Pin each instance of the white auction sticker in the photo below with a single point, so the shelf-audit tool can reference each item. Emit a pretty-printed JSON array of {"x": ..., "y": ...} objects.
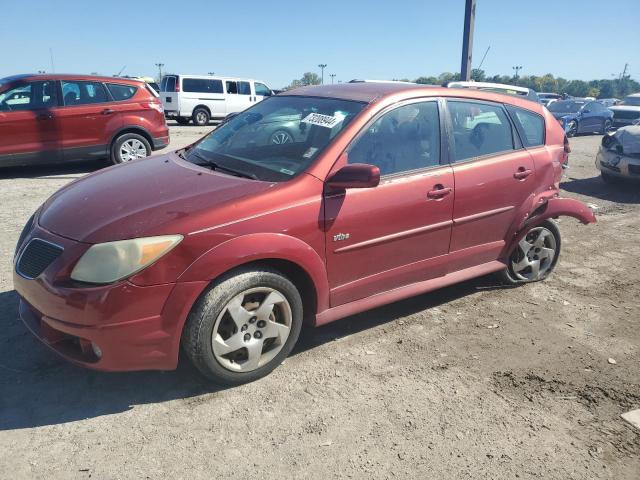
[{"x": 321, "y": 120}]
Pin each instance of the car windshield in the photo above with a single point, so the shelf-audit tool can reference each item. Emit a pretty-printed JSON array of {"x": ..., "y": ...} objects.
[
  {"x": 635, "y": 101},
  {"x": 276, "y": 139},
  {"x": 567, "y": 106}
]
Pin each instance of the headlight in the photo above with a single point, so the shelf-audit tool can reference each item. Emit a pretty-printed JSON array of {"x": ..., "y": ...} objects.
[{"x": 113, "y": 261}]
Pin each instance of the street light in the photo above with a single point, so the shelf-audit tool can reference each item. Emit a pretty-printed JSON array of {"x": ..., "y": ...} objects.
[
  {"x": 517, "y": 68},
  {"x": 333, "y": 75},
  {"x": 322, "y": 67},
  {"x": 159, "y": 65}
]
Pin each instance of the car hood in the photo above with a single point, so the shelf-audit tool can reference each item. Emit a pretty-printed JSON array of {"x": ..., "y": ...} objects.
[
  {"x": 147, "y": 197},
  {"x": 628, "y": 108}
]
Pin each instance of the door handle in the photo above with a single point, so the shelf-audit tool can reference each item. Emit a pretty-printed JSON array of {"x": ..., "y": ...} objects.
[
  {"x": 108, "y": 111},
  {"x": 439, "y": 191},
  {"x": 44, "y": 116},
  {"x": 522, "y": 173}
]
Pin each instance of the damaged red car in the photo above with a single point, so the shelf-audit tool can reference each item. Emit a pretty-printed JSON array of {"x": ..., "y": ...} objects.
[{"x": 310, "y": 206}]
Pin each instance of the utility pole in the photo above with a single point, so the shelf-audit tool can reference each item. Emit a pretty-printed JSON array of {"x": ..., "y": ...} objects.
[
  {"x": 467, "y": 39},
  {"x": 159, "y": 65},
  {"x": 53, "y": 67},
  {"x": 333, "y": 75},
  {"x": 322, "y": 67},
  {"x": 517, "y": 68}
]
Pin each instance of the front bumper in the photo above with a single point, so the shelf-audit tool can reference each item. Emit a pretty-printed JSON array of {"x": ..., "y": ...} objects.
[
  {"x": 134, "y": 327},
  {"x": 618, "y": 165}
]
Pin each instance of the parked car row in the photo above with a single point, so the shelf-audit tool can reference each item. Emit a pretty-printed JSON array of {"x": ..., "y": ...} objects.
[{"x": 62, "y": 118}]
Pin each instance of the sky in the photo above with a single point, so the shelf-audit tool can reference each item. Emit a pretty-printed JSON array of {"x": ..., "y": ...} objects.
[{"x": 277, "y": 41}]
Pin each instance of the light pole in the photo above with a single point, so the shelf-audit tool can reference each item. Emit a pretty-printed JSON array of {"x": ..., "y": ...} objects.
[
  {"x": 333, "y": 75},
  {"x": 517, "y": 68},
  {"x": 467, "y": 39},
  {"x": 159, "y": 65},
  {"x": 322, "y": 67}
]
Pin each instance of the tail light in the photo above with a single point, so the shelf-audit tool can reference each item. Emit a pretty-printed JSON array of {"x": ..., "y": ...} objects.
[
  {"x": 567, "y": 147},
  {"x": 177, "y": 84},
  {"x": 153, "y": 106},
  {"x": 565, "y": 156}
]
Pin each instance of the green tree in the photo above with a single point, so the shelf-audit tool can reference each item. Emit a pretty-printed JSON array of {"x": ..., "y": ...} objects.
[
  {"x": 578, "y": 88},
  {"x": 308, "y": 78},
  {"x": 426, "y": 80},
  {"x": 478, "y": 75}
]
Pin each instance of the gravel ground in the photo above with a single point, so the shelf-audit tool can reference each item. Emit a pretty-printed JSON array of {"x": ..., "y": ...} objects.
[{"x": 473, "y": 381}]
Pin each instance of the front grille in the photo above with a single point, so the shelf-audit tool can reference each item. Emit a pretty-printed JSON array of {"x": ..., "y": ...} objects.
[
  {"x": 36, "y": 257},
  {"x": 626, "y": 114},
  {"x": 634, "y": 169}
]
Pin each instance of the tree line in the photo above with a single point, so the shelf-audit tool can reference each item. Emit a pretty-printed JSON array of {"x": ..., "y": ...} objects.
[{"x": 614, "y": 88}]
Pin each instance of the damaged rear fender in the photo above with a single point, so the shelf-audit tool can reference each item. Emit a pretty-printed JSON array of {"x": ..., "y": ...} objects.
[{"x": 551, "y": 208}]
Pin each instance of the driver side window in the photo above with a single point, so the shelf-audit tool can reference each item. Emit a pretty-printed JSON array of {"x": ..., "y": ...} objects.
[{"x": 404, "y": 139}]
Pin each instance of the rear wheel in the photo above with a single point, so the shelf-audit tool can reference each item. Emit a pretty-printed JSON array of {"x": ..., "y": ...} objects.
[
  {"x": 535, "y": 256},
  {"x": 201, "y": 117},
  {"x": 128, "y": 147},
  {"x": 244, "y": 326}
]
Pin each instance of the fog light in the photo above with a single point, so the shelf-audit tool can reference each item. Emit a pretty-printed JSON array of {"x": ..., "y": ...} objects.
[{"x": 96, "y": 350}]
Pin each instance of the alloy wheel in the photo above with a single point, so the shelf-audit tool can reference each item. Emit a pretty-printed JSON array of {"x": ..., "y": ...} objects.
[
  {"x": 533, "y": 258},
  {"x": 281, "y": 137},
  {"x": 572, "y": 129},
  {"x": 132, "y": 149},
  {"x": 251, "y": 329},
  {"x": 201, "y": 118}
]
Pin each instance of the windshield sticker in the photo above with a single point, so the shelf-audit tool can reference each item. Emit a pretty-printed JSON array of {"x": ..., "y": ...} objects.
[
  {"x": 286, "y": 172},
  {"x": 321, "y": 120},
  {"x": 310, "y": 152}
]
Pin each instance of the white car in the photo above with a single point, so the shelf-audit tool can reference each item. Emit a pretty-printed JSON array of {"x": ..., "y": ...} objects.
[
  {"x": 626, "y": 112},
  {"x": 201, "y": 98}
]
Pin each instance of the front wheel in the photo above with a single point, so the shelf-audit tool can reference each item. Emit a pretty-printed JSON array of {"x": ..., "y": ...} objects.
[
  {"x": 606, "y": 126},
  {"x": 128, "y": 147},
  {"x": 572, "y": 128},
  {"x": 244, "y": 326},
  {"x": 535, "y": 256}
]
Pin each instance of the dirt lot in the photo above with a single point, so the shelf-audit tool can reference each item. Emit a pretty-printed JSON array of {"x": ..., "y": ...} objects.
[{"x": 418, "y": 389}]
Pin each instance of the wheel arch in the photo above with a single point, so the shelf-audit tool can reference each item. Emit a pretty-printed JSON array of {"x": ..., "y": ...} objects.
[
  {"x": 131, "y": 129},
  {"x": 204, "y": 107},
  {"x": 294, "y": 258}
]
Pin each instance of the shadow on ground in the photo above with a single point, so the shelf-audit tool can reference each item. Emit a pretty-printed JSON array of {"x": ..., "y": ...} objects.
[
  {"x": 38, "y": 388},
  {"x": 58, "y": 171},
  {"x": 623, "y": 191}
]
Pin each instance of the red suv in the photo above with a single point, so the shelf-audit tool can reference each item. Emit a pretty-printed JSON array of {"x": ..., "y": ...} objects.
[
  {"x": 381, "y": 192},
  {"x": 60, "y": 118}
]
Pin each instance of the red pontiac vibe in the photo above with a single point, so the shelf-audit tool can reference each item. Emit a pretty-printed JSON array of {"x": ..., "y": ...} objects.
[{"x": 310, "y": 206}]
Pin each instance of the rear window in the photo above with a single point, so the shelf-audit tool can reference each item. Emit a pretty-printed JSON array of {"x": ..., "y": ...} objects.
[
  {"x": 529, "y": 124},
  {"x": 121, "y": 92},
  {"x": 201, "y": 85},
  {"x": 244, "y": 88},
  {"x": 168, "y": 84}
]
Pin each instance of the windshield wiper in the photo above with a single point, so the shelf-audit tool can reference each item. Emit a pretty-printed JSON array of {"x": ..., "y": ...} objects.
[{"x": 214, "y": 166}]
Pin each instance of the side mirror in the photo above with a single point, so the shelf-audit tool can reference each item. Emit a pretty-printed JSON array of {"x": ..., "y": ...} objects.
[{"x": 356, "y": 175}]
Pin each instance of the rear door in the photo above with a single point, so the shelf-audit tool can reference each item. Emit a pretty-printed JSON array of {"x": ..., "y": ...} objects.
[
  {"x": 88, "y": 119},
  {"x": 29, "y": 128},
  {"x": 169, "y": 95},
  {"x": 494, "y": 175},
  {"x": 397, "y": 233}
]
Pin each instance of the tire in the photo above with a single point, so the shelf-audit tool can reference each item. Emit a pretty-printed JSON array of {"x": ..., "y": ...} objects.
[
  {"x": 521, "y": 263},
  {"x": 232, "y": 350},
  {"x": 201, "y": 117},
  {"x": 183, "y": 121},
  {"x": 606, "y": 125},
  {"x": 128, "y": 147},
  {"x": 573, "y": 128}
]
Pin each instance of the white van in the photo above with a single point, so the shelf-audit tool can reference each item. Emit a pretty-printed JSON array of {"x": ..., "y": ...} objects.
[{"x": 202, "y": 98}]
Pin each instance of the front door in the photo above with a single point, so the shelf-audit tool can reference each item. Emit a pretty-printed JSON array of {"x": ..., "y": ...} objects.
[
  {"x": 397, "y": 233},
  {"x": 29, "y": 130},
  {"x": 493, "y": 177}
]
